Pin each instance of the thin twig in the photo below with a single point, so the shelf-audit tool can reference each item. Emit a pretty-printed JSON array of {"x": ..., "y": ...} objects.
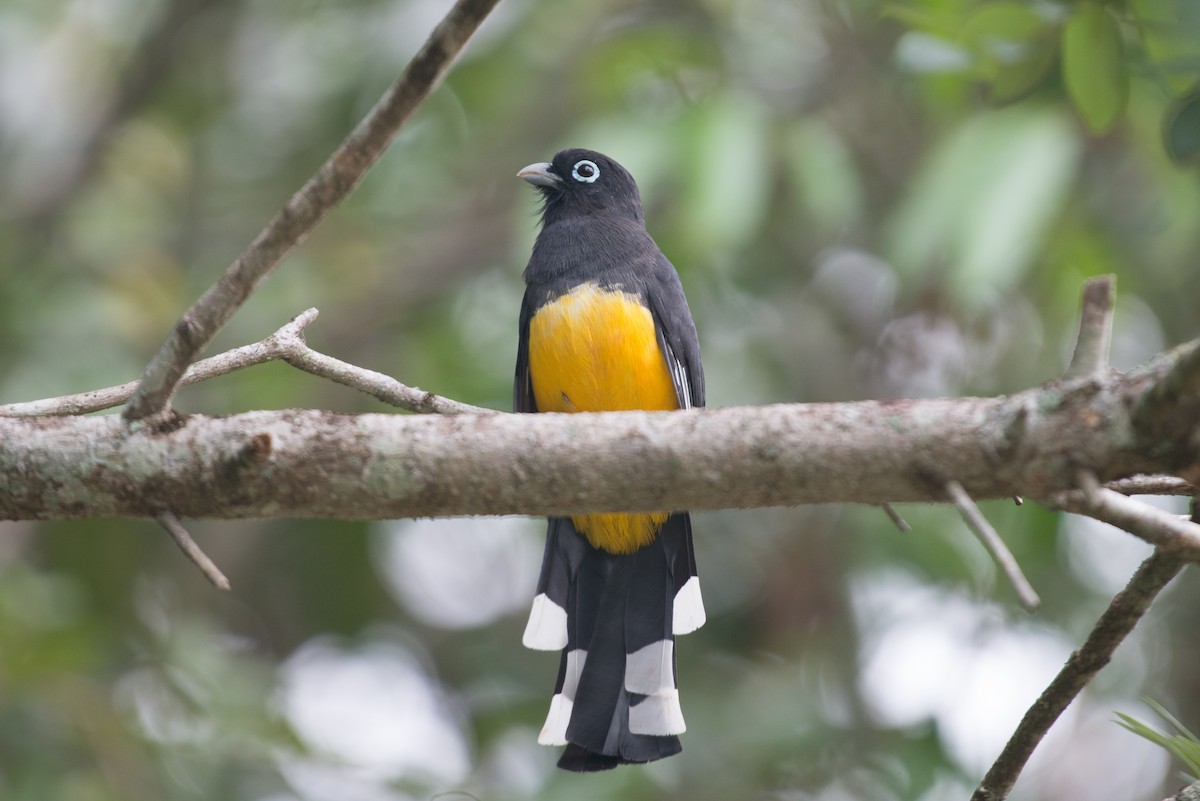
[
  {"x": 991, "y": 540},
  {"x": 1123, "y": 613},
  {"x": 1095, "y": 328},
  {"x": 269, "y": 349},
  {"x": 329, "y": 186},
  {"x": 1181, "y": 537},
  {"x": 895, "y": 517},
  {"x": 285, "y": 344},
  {"x": 191, "y": 550},
  {"x": 378, "y": 385}
]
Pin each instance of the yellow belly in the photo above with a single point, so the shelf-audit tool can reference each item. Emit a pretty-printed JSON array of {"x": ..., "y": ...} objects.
[{"x": 595, "y": 350}]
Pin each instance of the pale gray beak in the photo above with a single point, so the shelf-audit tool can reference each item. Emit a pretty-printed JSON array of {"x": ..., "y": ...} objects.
[{"x": 540, "y": 174}]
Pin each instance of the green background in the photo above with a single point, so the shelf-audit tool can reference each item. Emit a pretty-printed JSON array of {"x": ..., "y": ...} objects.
[{"x": 864, "y": 200}]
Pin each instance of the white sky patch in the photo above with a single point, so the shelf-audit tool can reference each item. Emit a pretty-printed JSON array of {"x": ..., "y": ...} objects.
[
  {"x": 933, "y": 655},
  {"x": 372, "y": 716},
  {"x": 461, "y": 573},
  {"x": 1104, "y": 557}
]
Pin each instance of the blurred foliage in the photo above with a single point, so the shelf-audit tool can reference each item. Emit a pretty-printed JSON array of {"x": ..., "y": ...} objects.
[{"x": 864, "y": 199}]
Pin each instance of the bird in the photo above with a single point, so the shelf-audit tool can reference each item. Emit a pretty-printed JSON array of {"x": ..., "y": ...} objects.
[{"x": 605, "y": 326}]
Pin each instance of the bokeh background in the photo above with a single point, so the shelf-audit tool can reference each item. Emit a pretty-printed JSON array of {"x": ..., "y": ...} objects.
[{"x": 865, "y": 199}]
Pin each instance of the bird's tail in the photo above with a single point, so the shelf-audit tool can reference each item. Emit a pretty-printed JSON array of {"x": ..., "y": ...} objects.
[{"x": 615, "y": 618}]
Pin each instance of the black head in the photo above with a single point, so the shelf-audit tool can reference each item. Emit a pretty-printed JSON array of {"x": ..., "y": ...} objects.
[{"x": 582, "y": 182}]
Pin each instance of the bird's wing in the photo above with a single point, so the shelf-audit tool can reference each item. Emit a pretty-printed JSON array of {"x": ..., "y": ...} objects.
[
  {"x": 523, "y": 400},
  {"x": 676, "y": 333}
]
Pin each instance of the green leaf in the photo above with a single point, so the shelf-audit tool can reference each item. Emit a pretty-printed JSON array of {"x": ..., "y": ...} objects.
[
  {"x": 1181, "y": 128},
  {"x": 1184, "y": 745},
  {"x": 1013, "y": 47},
  {"x": 938, "y": 21},
  {"x": 1094, "y": 69}
]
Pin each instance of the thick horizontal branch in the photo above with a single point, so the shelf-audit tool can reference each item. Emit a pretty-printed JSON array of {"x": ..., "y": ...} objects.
[{"x": 307, "y": 463}]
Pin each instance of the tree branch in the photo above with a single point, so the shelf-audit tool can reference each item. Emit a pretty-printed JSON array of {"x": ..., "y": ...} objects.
[
  {"x": 272, "y": 348},
  {"x": 288, "y": 344},
  {"x": 1152, "y": 485},
  {"x": 897, "y": 520},
  {"x": 1095, "y": 328},
  {"x": 1001, "y": 555},
  {"x": 378, "y": 385},
  {"x": 1123, "y": 613},
  {"x": 191, "y": 550},
  {"x": 1142, "y": 520},
  {"x": 329, "y": 186},
  {"x": 1189, "y": 793},
  {"x": 268, "y": 464}
]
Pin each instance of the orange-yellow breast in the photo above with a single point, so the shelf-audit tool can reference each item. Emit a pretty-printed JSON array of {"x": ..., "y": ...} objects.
[{"x": 596, "y": 350}]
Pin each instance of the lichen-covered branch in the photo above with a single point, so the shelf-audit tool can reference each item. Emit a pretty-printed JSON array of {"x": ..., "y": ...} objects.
[{"x": 308, "y": 463}]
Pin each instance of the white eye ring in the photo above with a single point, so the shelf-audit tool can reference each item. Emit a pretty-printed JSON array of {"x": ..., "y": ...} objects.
[{"x": 585, "y": 171}]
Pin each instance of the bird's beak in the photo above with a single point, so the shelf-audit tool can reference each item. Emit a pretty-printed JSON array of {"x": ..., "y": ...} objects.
[{"x": 540, "y": 174}]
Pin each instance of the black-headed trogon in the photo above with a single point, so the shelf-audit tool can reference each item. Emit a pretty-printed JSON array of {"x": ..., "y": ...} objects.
[{"x": 604, "y": 326}]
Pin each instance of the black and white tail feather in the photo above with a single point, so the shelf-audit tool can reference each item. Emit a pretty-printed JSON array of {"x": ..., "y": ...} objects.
[{"x": 615, "y": 617}]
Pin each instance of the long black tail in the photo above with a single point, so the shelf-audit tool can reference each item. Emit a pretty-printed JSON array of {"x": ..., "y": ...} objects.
[{"x": 615, "y": 618}]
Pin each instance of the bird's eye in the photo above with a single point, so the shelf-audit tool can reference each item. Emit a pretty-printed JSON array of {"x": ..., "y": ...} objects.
[{"x": 585, "y": 171}]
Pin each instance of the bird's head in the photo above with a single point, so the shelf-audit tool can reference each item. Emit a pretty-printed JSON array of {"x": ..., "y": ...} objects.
[{"x": 582, "y": 182}]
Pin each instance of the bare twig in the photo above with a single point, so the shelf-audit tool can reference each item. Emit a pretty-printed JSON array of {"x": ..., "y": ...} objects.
[
  {"x": 191, "y": 550},
  {"x": 331, "y": 183},
  {"x": 383, "y": 387},
  {"x": 991, "y": 540},
  {"x": 287, "y": 344},
  {"x": 1095, "y": 328},
  {"x": 269, "y": 349},
  {"x": 1155, "y": 526},
  {"x": 1123, "y": 613},
  {"x": 895, "y": 517}
]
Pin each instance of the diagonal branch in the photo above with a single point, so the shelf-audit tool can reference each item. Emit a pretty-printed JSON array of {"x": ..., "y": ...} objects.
[
  {"x": 328, "y": 187},
  {"x": 191, "y": 550},
  {"x": 1001, "y": 555},
  {"x": 378, "y": 385},
  {"x": 1123, "y": 613},
  {"x": 897, "y": 520}
]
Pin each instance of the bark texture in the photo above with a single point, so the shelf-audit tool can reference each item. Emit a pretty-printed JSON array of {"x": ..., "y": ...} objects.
[{"x": 311, "y": 463}]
